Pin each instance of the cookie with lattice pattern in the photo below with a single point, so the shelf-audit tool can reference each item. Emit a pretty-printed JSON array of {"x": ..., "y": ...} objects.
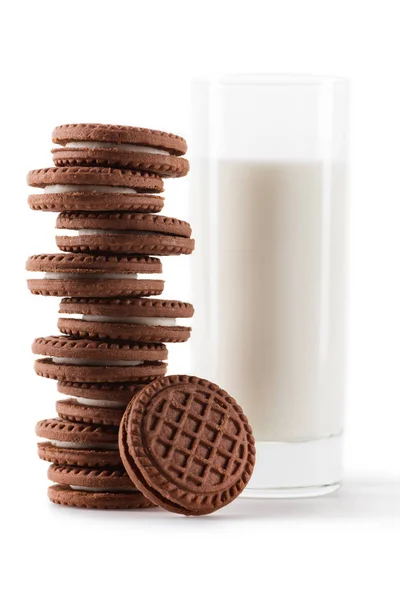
[{"x": 187, "y": 445}]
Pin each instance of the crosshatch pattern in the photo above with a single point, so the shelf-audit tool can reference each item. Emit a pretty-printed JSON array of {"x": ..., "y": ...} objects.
[
  {"x": 195, "y": 437},
  {"x": 187, "y": 445}
]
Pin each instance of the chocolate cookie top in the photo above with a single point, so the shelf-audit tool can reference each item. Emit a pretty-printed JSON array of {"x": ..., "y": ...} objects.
[
  {"x": 129, "y": 307},
  {"x": 95, "y": 200},
  {"x": 94, "y": 176},
  {"x": 78, "y": 435},
  {"x": 139, "y": 373},
  {"x": 88, "y": 263},
  {"x": 187, "y": 445},
  {"x": 119, "y": 392},
  {"x": 123, "y": 221},
  {"x": 91, "y": 350},
  {"x": 119, "y": 134}
]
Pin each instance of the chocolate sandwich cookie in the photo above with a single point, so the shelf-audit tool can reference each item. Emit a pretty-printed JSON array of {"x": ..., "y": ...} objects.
[
  {"x": 123, "y": 233},
  {"x": 137, "y": 319},
  {"x": 79, "y": 498},
  {"x": 100, "y": 394},
  {"x": 81, "y": 444},
  {"x": 80, "y": 411},
  {"x": 95, "y": 200},
  {"x": 186, "y": 445},
  {"x": 121, "y": 146},
  {"x": 96, "y": 176},
  {"x": 91, "y": 487},
  {"x": 98, "y": 361},
  {"x": 85, "y": 275},
  {"x": 94, "y": 188},
  {"x": 90, "y": 477}
]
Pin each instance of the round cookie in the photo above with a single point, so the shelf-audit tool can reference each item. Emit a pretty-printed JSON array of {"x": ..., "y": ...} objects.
[
  {"x": 78, "y": 444},
  {"x": 186, "y": 445},
  {"x": 94, "y": 200},
  {"x": 124, "y": 156},
  {"x": 64, "y": 434},
  {"x": 119, "y": 134},
  {"x": 136, "y": 319},
  {"x": 82, "y": 457},
  {"x": 98, "y": 361},
  {"x": 111, "y": 479},
  {"x": 123, "y": 233},
  {"x": 65, "y": 495},
  {"x": 86, "y": 275},
  {"x": 81, "y": 177},
  {"x": 100, "y": 394},
  {"x": 74, "y": 410},
  {"x": 64, "y": 189}
]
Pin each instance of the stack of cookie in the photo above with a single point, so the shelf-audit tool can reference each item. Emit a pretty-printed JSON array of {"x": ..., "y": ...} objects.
[{"x": 106, "y": 186}]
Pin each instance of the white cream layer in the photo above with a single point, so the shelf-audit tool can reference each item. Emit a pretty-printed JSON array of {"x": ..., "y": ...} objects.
[
  {"x": 155, "y": 321},
  {"x": 96, "y": 363},
  {"x": 82, "y": 488},
  {"x": 97, "y": 403},
  {"x": 77, "y": 232},
  {"x": 80, "y": 276},
  {"x": 77, "y": 445},
  {"x": 101, "y": 189},
  {"x": 111, "y": 146}
]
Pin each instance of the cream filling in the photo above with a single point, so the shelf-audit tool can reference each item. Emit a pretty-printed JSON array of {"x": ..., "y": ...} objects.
[
  {"x": 101, "y": 189},
  {"x": 80, "y": 276},
  {"x": 82, "y": 446},
  {"x": 96, "y": 363},
  {"x": 155, "y": 321},
  {"x": 111, "y": 146},
  {"x": 77, "y": 232},
  {"x": 97, "y": 403},
  {"x": 82, "y": 488}
]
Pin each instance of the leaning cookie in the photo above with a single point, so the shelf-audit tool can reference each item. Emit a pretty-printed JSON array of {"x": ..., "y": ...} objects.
[
  {"x": 120, "y": 146},
  {"x": 86, "y": 275},
  {"x": 123, "y": 233},
  {"x": 94, "y": 188},
  {"x": 186, "y": 445},
  {"x": 136, "y": 319},
  {"x": 98, "y": 361}
]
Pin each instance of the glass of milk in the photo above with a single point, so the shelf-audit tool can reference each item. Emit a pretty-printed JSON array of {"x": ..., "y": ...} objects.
[{"x": 269, "y": 201}]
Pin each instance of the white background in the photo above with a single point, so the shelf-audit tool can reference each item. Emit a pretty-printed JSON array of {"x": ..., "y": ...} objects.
[{"x": 131, "y": 63}]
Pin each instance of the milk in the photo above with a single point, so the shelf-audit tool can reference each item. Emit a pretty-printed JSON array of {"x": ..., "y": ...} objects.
[{"x": 269, "y": 290}]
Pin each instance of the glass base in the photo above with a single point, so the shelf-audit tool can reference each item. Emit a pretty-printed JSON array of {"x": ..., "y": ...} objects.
[{"x": 296, "y": 469}]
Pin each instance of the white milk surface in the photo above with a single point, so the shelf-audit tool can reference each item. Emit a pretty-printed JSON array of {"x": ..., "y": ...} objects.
[{"x": 269, "y": 292}]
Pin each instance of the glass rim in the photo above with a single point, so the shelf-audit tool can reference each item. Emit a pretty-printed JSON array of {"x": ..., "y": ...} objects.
[{"x": 271, "y": 79}]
